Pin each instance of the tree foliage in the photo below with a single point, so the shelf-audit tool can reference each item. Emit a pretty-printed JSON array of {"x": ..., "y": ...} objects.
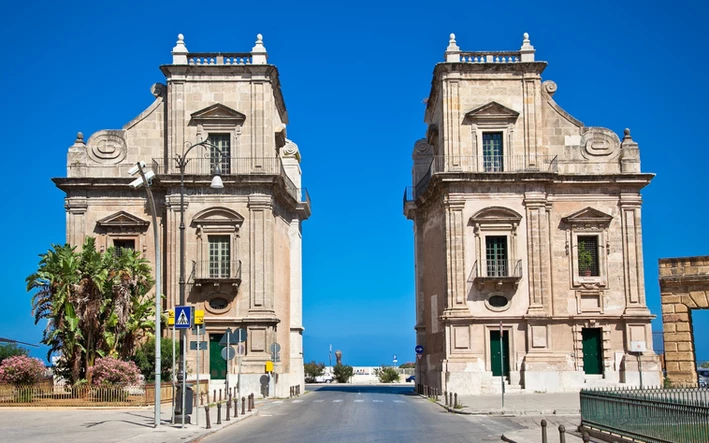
[
  {"x": 8, "y": 350},
  {"x": 313, "y": 370},
  {"x": 387, "y": 374},
  {"x": 111, "y": 371},
  {"x": 95, "y": 304},
  {"x": 408, "y": 365},
  {"x": 342, "y": 373},
  {"x": 144, "y": 358}
]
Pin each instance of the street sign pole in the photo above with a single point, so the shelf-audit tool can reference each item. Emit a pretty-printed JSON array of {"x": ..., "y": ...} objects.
[
  {"x": 502, "y": 368},
  {"x": 199, "y": 348},
  {"x": 228, "y": 336},
  {"x": 174, "y": 388}
]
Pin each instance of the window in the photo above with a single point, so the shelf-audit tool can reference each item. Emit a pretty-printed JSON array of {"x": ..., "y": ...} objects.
[
  {"x": 588, "y": 256},
  {"x": 220, "y": 163},
  {"x": 121, "y": 244},
  {"x": 492, "y": 152},
  {"x": 219, "y": 256},
  {"x": 496, "y": 256}
]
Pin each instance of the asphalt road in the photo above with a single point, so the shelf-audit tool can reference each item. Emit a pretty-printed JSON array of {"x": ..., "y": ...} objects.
[{"x": 345, "y": 413}]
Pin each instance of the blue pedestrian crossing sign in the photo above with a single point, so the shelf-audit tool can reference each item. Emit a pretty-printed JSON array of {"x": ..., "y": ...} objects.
[{"x": 183, "y": 317}]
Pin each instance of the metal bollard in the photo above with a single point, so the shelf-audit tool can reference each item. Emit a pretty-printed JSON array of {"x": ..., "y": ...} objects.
[
  {"x": 243, "y": 406},
  {"x": 455, "y": 401},
  {"x": 445, "y": 397},
  {"x": 214, "y": 396},
  {"x": 228, "y": 408},
  {"x": 201, "y": 398},
  {"x": 251, "y": 402},
  {"x": 544, "y": 431},
  {"x": 236, "y": 406},
  {"x": 206, "y": 412},
  {"x": 585, "y": 437},
  {"x": 219, "y": 413},
  {"x": 562, "y": 434},
  {"x": 220, "y": 394}
]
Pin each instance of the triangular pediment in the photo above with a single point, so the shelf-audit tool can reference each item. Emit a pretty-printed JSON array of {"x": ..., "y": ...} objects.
[
  {"x": 218, "y": 216},
  {"x": 496, "y": 214},
  {"x": 492, "y": 110},
  {"x": 588, "y": 215},
  {"x": 218, "y": 112},
  {"x": 122, "y": 219}
]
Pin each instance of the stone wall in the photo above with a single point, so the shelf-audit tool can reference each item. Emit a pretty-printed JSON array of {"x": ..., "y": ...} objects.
[{"x": 684, "y": 285}]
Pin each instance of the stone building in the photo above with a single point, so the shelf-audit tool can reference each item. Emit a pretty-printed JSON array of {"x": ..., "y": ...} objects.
[
  {"x": 527, "y": 236},
  {"x": 242, "y": 242}
]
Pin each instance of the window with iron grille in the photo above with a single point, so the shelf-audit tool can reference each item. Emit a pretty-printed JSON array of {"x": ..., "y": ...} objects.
[
  {"x": 588, "y": 256},
  {"x": 121, "y": 244},
  {"x": 492, "y": 152},
  {"x": 220, "y": 164},
  {"x": 496, "y": 256},
  {"x": 219, "y": 256}
]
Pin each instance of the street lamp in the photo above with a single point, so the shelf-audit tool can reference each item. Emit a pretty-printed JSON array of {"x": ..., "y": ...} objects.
[
  {"x": 216, "y": 183},
  {"x": 146, "y": 179}
]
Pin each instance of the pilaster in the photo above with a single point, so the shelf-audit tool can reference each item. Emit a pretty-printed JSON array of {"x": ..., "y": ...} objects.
[
  {"x": 633, "y": 277},
  {"x": 261, "y": 254},
  {"x": 455, "y": 255},
  {"x": 538, "y": 253}
]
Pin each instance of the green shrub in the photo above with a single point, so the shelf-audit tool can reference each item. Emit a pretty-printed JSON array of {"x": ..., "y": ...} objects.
[
  {"x": 342, "y": 373},
  {"x": 313, "y": 370},
  {"x": 387, "y": 374}
]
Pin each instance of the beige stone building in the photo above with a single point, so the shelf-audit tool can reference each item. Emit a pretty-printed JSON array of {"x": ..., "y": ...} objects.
[
  {"x": 242, "y": 242},
  {"x": 527, "y": 236}
]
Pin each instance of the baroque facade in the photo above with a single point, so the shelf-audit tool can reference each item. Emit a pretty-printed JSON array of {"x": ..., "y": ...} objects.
[
  {"x": 527, "y": 236},
  {"x": 242, "y": 242}
]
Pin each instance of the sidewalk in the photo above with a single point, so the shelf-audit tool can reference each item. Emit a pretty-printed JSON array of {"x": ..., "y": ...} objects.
[
  {"x": 109, "y": 425},
  {"x": 527, "y": 409}
]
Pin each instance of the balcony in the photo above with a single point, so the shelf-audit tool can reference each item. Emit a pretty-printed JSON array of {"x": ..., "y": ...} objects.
[
  {"x": 496, "y": 273},
  {"x": 217, "y": 272},
  {"x": 484, "y": 164}
]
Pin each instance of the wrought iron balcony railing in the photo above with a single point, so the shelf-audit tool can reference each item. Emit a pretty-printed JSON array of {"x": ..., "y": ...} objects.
[
  {"x": 225, "y": 166},
  {"x": 483, "y": 164},
  {"x": 497, "y": 271},
  {"x": 217, "y": 271}
]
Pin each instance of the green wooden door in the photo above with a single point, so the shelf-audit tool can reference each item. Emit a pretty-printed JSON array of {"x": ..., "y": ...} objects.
[
  {"x": 496, "y": 356},
  {"x": 217, "y": 365},
  {"x": 592, "y": 351}
]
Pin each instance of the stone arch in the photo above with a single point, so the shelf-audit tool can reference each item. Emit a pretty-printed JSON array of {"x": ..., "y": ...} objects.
[{"x": 684, "y": 286}]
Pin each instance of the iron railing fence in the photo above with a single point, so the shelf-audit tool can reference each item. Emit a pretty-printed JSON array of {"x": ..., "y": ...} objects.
[
  {"x": 47, "y": 394},
  {"x": 654, "y": 415},
  {"x": 226, "y": 269},
  {"x": 483, "y": 164},
  {"x": 496, "y": 268},
  {"x": 226, "y": 166},
  {"x": 494, "y": 163}
]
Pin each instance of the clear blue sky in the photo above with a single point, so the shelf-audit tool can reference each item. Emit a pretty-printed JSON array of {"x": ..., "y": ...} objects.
[{"x": 354, "y": 76}]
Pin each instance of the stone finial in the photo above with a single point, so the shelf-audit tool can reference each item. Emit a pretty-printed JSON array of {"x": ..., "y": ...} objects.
[
  {"x": 452, "y": 53},
  {"x": 179, "y": 52},
  {"x": 629, "y": 154},
  {"x": 258, "y": 52},
  {"x": 527, "y": 50},
  {"x": 79, "y": 139}
]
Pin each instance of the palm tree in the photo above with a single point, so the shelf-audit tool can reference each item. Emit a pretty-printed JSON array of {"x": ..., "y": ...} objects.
[{"x": 95, "y": 304}]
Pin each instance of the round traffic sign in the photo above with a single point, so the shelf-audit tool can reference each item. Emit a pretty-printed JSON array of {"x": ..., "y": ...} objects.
[
  {"x": 228, "y": 353},
  {"x": 419, "y": 349},
  {"x": 241, "y": 349},
  {"x": 275, "y": 348}
]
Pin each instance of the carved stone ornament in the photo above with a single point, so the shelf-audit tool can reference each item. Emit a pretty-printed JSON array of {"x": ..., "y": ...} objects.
[
  {"x": 600, "y": 142},
  {"x": 107, "y": 147},
  {"x": 421, "y": 149},
  {"x": 290, "y": 149},
  {"x": 550, "y": 87},
  {"x": 158, "y": 90}
]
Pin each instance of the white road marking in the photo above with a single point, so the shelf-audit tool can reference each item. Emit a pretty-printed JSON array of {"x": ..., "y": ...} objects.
[
  {"x": 278, "y": 402},
  {"x": 337, "y": 401},
  {"x": 378, "y": 401},
  {"x": 359, "y": 401},
  {"x": 297, "y": 401},
  {"x": 399, "y": 401},
  {"x": 318, "y": 401}
]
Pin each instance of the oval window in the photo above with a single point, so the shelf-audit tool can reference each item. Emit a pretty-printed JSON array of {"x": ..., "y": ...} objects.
[
  {"x": 218, "y": 303},
  {"x": 497, "y": 301}
]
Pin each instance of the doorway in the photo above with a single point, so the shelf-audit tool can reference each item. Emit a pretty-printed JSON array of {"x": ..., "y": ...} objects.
[
  {"x": 592, "y": 351},
  {"x": 500, "y": 353},
  {"x": 217, "y": 364}
]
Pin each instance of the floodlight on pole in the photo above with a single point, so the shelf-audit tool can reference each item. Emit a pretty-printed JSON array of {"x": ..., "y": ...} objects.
[{"x": 145, "y": 179}]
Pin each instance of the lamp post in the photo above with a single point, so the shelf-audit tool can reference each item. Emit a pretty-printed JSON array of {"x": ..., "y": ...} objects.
[
  {"x": 145, "y": 180},
  {"x": 216, "y": 183}
]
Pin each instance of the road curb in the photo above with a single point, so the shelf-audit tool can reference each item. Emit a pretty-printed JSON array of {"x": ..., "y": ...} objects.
[
  {"x": 212, "y": 430},
  {"x": 505, "y": 412}
]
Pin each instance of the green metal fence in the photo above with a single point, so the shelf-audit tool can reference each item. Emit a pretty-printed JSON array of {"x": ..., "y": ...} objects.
[{"x": 654, "y": 415}]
